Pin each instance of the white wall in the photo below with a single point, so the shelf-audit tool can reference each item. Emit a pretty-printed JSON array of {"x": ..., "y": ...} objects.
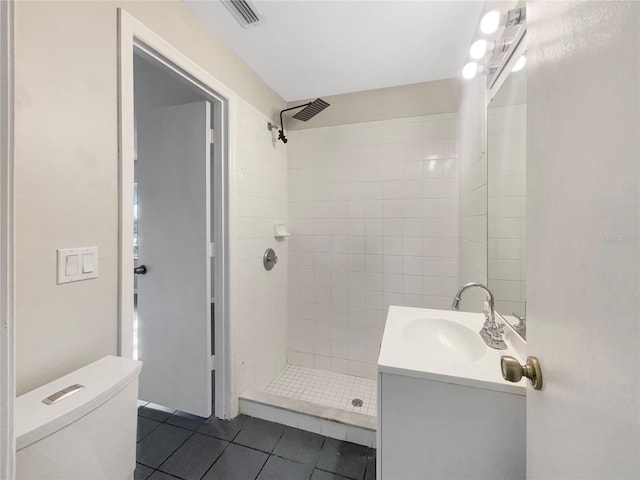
[
  {"x": 440, "y": 96},
  {"x": 373, "y": 211},
  {"x": 66, "y": 173},
  {"x": 262, "y": 298}
]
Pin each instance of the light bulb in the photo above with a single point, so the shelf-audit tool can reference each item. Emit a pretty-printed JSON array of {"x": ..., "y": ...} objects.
[
  {"x": 478, "y": 49},
  {"x": 469, "y": 70},
  {"x": 490, "y": 22},
  {"x": 522, "y": 61}
]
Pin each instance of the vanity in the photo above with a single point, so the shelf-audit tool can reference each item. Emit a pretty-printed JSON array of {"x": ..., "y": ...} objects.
[{"x": 444, "y": 410}]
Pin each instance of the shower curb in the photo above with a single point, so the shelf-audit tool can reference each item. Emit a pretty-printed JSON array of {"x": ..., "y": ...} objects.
[{"x": 329, "y": 421}]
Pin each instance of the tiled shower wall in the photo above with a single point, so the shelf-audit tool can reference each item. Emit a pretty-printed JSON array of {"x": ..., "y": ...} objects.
[
  {"x": 373, "y": 212},
  {"x": 507, "y": 130},
  {"x": 262, "y": 296}
]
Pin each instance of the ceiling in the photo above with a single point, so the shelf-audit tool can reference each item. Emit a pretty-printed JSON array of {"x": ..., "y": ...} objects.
[{"x": 315, "y": 48}]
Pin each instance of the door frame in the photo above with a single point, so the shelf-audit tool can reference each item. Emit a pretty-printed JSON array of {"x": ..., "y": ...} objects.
[
  {"x": 133, "y": 35},
  {"x": 7, "y": 332}
]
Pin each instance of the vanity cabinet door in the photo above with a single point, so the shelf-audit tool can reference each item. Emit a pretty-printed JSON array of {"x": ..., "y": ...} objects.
[{"x": 430, "y": 429}]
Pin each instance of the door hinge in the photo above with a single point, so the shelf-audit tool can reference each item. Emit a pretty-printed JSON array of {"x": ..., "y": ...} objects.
[
  {"x": 212, "y": 136},
  {"x": 212, "y": 362},
  {"x": 212, "y": 250}
]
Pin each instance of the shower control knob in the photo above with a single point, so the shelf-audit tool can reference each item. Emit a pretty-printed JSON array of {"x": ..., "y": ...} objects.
[
  {"x": 269, "y": 259},
  {"x": 513, "y": 371}
]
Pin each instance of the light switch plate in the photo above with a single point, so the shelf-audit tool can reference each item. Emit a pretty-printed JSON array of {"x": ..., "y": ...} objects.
[{"x": 85, "y": 256}]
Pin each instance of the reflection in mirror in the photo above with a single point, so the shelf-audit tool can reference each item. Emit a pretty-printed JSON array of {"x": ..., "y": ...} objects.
[{"x": 506, "y": 147}]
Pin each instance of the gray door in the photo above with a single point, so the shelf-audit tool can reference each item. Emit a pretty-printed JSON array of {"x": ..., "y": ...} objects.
[{"x": 174, "y": 311}]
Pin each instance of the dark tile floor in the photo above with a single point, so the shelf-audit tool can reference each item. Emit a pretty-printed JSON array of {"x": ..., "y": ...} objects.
[{"x": 177, "y": 445}]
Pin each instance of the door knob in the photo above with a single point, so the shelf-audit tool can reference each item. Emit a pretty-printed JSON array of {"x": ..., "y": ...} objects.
[
  {"x": 513, "y": 371},
  {"x": 141, "y": 270}
]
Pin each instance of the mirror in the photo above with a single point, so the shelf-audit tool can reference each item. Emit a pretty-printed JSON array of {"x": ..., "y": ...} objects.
[{"x": 506, "y": 171}]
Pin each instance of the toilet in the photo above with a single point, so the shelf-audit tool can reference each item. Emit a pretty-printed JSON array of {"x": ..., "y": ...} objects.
[{"x": 80, "y": 426}]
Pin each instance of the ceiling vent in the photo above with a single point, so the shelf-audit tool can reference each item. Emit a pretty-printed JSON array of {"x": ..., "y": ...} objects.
[{"x": 245, "y": 12}]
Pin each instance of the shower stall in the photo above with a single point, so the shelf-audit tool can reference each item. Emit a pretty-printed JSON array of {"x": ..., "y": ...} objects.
[{"x": 373, "y": 216}]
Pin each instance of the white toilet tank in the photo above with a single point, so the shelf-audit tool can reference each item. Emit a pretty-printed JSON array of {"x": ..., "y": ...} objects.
[{"x": 90, "y": 433}]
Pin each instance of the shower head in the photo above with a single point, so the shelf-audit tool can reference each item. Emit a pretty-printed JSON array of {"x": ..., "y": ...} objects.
[{"x": 311, "y": 110}]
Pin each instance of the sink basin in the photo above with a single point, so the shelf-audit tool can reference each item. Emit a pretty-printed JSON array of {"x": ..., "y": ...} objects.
[
  {"x": 443, "y": 342},
  {"x": 443, "y": 346}
]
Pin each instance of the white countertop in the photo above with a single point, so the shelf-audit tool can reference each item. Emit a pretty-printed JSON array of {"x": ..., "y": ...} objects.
[{"x": 399, "y": 357}]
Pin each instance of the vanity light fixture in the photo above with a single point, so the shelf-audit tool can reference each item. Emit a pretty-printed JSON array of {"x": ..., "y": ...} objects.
[
  {"x": 478, "y": 49},
  {"x": 516, "y": 16},
  {"x": 522, "y": 61},
  {"x": 470, "y": 70},
  {"x": 490, "y": 22},
  {"x": 482, "y": 48}
]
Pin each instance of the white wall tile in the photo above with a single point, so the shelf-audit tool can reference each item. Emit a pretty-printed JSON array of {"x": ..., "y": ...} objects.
[
  {"x": 310, "y": 424},
  {"x": 263, "y": 190},
  {"x": 412, "y": 170},
  {"x": 412, "y": 265},
  {"x": 374, "y": 263},
  {"x": 412, "y": 284},
  {"x": 375, "y": 282},
  {"x": 334, "y": 430},
  {"x": 392, "y": 227},
  {"x": 286, "y": 417},
  {"x": 264, "y": 412},
  {"x": 393, "y": 264},
  {"x": 393, "y": 208},
  {"x": 393, "y": 245},
  {"x": 393, "y": 283},
  {"x": 374, "y": 217},
  {"x": 374, "y": 245}
]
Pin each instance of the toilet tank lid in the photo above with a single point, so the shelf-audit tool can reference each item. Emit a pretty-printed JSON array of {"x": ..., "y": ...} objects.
[{"x": 102, "y": 380}]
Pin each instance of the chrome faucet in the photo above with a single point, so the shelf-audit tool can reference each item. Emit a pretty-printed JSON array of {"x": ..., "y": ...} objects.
[
  {"x": 521, "y": 327},
  {"x": 492, "y": 332}
]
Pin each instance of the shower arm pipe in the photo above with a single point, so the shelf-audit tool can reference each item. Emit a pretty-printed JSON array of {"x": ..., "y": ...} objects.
[{"x": 292, "y": 108}]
